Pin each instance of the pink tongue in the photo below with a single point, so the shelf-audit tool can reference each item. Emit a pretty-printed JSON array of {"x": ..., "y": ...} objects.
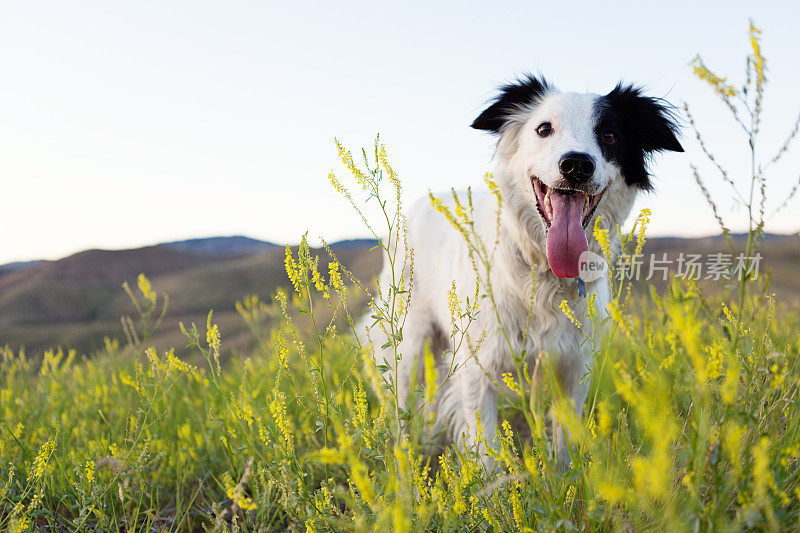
[{"x": 566, "y": 240}]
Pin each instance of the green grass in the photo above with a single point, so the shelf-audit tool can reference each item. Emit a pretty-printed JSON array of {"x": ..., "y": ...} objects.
[{"x": 684, "y": 432}]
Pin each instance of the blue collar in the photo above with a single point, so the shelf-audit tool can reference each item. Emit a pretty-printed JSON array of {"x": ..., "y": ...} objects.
[{"x": 581, "y": 287}]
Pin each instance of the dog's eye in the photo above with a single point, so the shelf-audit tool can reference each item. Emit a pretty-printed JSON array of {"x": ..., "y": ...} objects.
[
  {"x": 544, "y": 129},
  {"x": 609, "y": 137}
]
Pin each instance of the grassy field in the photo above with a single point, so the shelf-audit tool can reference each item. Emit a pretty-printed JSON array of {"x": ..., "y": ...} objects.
[
  {"x": 294, "y": 435},
  {"x": 692, "y": 421}
]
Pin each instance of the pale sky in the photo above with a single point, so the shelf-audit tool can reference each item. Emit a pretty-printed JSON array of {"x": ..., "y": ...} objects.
[{"x": 125, "y": 125}]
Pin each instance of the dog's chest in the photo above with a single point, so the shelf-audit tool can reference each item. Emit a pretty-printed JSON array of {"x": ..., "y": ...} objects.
[{"x": 534, "y": 317}]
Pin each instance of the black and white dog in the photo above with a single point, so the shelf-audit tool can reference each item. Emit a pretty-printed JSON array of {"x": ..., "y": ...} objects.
[{"x": 564, "y": 159}]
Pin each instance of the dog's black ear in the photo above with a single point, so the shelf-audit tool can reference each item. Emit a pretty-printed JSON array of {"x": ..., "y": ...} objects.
[
  {"x": 513, "y": 96},
  {"x": 651, "y": 121},
  {"x": 648, "y": 125}
]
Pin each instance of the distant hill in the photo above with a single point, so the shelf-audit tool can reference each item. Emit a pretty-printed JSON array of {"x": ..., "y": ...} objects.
[
  {"x": 780, "y": 258},
  {"x": 357, "y": 243},
  {"x": 78, "y": 300},
  {"x": 19, "y": 265},
  {"x": 233, "y": 245}
]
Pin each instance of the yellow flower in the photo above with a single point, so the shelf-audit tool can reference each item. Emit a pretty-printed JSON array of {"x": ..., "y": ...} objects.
[
  {"x": 42, "y": 458},
  {"x": 651, "y": 474},
  {"x": 570, "y": 495},
  {"x": 601, "y": 235},
  {"x": 511, "y": 384},
  {"x": 235, "y": 491},
  {"x": 125, "y": 378},
  {"x": 759, "y": 63},
  {"x": 730, "y": 385},
  {"x": 395, "y": 181},
  {"x": 146, "y": 288},
  {"x": 604, "y": 418},
  {"x": 616, "y": 315},
  {"x": 611, "y": 492},
  {"x": 334, "y": 276},
  {"x": 88, "y": 471},
  {"x": 455, "y": 307},
  {"x": 569, "y": 314},
  {"x": 516, "y": 508},
  {"x": 214, "y": 341},
  {"x": 316, "y": 279},
  {"x": 439, "y": 206},
  {"x": 361, "y": 407},
  {"x": 714, "y": 361},
  {"x": 328, "y": 456},
  {"x": 360, "y": 477},
  {"x": 431, "y": 374},
  {"x": 494, "y": 189},
  {"x": 212, "y": 335},
  {"x": 592, "y": 425},
  {"x": 762, "y": 475},
  {"x": 507, "y": 451},
  {"x": 591, "y": 308},
  {"x": 347, "y": 158},
  {"x": 292, "y": 269},
  {"x": 177, "y": 365},
  {"x": 731, "y": 443},
  {"x": 641, "y": 222},
  {"x": 277, "y": 407},
  {"x": 337, "y": 185},
  {"x": 719, "y": 85}
]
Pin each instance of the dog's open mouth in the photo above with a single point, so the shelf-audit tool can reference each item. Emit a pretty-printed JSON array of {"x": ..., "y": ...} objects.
[
  {"x": 566, "y": 212},
  {"x": 544, "y": 201}
]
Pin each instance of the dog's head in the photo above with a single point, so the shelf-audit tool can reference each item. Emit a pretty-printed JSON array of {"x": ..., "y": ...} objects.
[{"x": 574, "y": 157}]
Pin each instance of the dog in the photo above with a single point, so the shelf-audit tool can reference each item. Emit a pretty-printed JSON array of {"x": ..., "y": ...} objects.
[{"x": 564, "y": 159}]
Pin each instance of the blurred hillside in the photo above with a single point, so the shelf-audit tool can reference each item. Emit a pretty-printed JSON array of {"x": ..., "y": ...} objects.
[
  {"x": 78, "y": 300},
  {"x": 780, "y": 260}
]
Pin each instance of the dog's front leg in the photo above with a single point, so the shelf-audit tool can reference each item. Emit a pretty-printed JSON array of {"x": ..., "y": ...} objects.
[
  {"x": 476, "y": 408},
  {"x": 570, "y": 371}
]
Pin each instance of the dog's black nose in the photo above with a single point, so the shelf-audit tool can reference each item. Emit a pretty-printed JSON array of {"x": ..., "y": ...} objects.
[{"x": 576, "y": 166}]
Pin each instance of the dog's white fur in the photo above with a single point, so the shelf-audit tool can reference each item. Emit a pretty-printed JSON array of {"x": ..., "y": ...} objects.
[{"x": 441, "y": 257}]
